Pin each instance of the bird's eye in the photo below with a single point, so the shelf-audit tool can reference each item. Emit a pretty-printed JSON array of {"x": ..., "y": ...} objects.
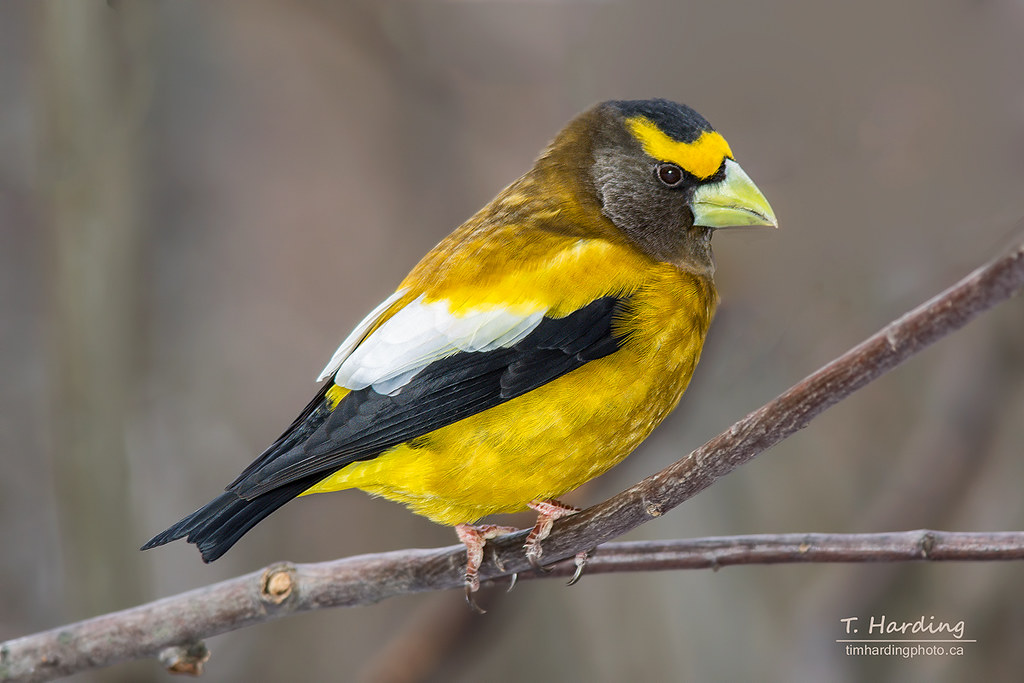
[{"x": 670, "y": 174}]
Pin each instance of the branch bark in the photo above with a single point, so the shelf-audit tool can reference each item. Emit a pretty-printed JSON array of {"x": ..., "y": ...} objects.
[
  {"x": 285, "y": 588},
  {"x": 174, "y": 627}
]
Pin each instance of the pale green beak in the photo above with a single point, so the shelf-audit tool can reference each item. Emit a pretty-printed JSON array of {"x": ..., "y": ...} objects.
[{"x": 733, "y": 201}]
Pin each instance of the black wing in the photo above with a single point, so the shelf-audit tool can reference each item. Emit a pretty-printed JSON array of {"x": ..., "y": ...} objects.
[{"x": 365, "y": 423}]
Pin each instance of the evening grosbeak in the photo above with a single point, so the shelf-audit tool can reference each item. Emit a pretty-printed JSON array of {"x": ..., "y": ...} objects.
[{"x": 531, "y": 350}]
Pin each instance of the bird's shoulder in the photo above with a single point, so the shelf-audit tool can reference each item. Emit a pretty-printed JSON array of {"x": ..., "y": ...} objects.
[{"x": 526, "y": 270}]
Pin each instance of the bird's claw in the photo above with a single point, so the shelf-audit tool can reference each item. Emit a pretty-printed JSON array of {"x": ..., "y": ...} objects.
[
  {"x": 496, "y": 558},
  {"x": 533, "y": 559},
  {"x": 580, "y": 561},
  {"x": 470, "y": 600},
  {"x": 475, "y": 539}
]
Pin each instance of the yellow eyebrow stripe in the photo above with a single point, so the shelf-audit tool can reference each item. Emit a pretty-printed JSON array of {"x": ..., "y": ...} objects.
[{"x": 702, "y": 157}]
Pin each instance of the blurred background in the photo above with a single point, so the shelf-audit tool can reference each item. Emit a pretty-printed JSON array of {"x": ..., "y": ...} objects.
[{"x": 199, "y": 200}]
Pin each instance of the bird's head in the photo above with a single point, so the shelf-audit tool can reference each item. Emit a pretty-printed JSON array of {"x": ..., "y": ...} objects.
[{"x": 667, "y": 179}]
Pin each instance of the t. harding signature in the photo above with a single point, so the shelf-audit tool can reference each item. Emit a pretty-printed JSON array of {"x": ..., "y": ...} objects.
[{"x": 882, "y": 625}]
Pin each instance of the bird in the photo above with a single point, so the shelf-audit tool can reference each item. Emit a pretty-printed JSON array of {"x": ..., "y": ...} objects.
[{"x": 531, "y": 350}]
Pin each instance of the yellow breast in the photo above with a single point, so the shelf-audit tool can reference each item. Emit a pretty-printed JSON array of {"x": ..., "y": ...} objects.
[{"x": 558, "y": 436}]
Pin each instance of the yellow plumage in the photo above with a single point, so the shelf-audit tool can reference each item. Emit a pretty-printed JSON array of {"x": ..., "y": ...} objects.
[
  {"x": 531, "y": 350},
  {"x": 568, "y": 431}
]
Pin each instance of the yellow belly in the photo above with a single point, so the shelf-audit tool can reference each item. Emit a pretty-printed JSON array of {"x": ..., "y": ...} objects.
[{"x": 558, "y": 436}]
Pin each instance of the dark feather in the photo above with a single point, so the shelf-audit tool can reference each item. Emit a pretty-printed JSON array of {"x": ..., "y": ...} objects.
[
  {"x": 218, "y": 525},
  {"x": 366, "y": 423}
]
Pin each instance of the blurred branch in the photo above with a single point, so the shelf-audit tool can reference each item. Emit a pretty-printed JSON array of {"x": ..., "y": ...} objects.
[
  {"x": 426, "y": 641},
  {"x": 92, "y": 96},
  {"x": 283, "y": 589}
]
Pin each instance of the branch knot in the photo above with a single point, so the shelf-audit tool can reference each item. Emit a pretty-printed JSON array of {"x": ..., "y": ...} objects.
[{"x": 278, "y": 583}]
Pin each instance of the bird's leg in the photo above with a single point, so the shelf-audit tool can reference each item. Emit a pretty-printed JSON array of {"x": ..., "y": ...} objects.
[
  {"x": 547, "y": 512},
  {"x": 474, "y": 538}
]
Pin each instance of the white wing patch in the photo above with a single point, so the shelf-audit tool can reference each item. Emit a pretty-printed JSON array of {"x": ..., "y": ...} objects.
[
  {"x": 418, "y": 335},
  {"x": 357, "y": 335}
]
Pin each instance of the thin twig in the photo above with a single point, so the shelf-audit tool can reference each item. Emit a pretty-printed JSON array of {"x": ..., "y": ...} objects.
[
  {"x": 723, "y": 551},
  {"x": 286, "y": 588}
]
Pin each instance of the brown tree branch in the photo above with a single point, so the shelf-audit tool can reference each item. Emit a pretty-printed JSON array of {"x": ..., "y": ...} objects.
[
  {"x": 286, "y": 588},
  {"x": 723, "y": 551},
  {"x": 173, "y": 628}
]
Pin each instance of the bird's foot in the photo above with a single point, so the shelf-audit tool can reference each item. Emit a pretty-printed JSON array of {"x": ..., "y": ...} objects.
[
  {"x": 547, "y": 512},
  {"x": 475, "y": 538},
  {"x": 580, "y": 561}
]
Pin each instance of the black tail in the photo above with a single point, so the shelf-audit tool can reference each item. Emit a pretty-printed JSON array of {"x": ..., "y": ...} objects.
[{"x": 218, "y": 525}]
